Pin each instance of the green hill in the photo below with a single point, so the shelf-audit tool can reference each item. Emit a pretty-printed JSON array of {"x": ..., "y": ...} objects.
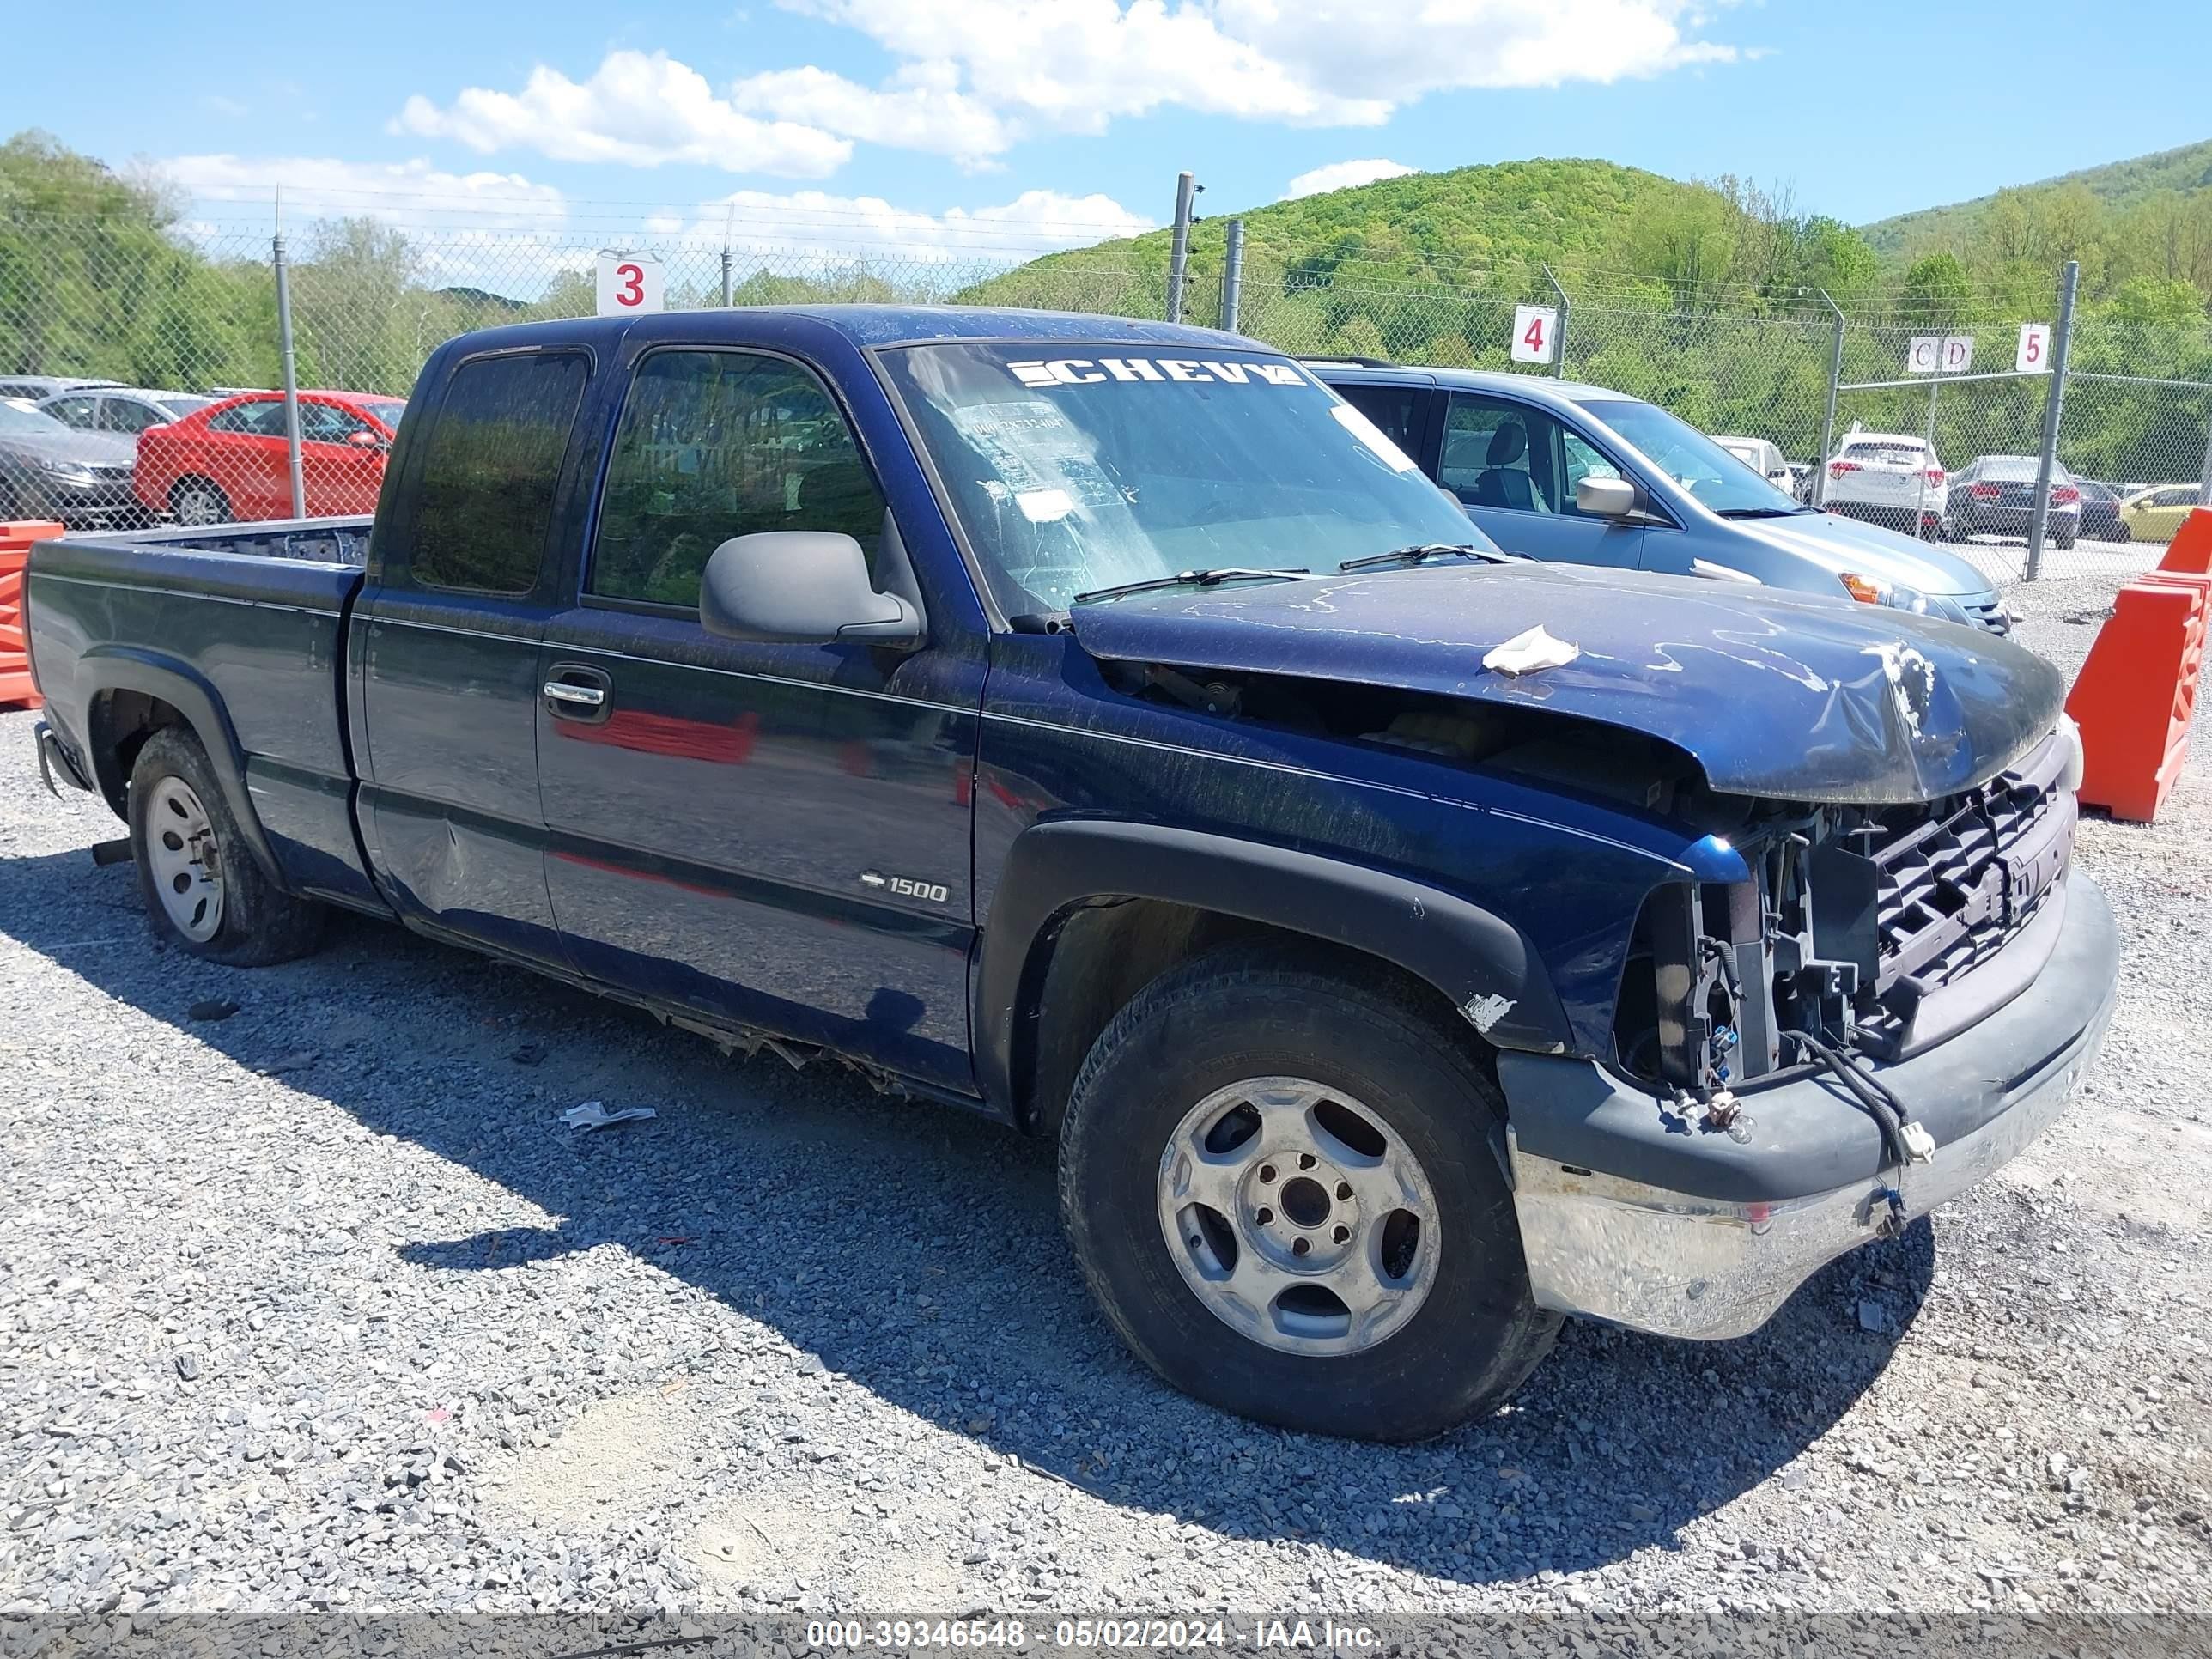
[
  {"x": 1486, "y": 228},
  {"x": 2117, "y": 184}
]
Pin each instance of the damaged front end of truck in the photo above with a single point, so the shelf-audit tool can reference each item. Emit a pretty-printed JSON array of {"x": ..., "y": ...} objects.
[{"x": 1871, "y": 973}]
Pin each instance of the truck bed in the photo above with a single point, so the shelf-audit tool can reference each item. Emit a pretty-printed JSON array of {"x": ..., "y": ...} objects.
[{"x": 249, "y": 619}]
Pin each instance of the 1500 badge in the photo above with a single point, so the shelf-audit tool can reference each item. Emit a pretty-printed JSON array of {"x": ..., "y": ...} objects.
[{"x": 933, "y": 892}]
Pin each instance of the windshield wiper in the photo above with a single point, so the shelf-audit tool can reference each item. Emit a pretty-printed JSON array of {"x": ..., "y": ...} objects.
[
  {"x": 1764, "y": 512},
  {"x": 1422, "y": 551},
  {"x": 1207, "y": 578}
]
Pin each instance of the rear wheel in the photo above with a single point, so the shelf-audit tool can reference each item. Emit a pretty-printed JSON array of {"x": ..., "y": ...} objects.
[
  {"x": 204, "y": 892},
  {"x": 198, "y": 501},
  {"x": 1286, "y": 1192}
]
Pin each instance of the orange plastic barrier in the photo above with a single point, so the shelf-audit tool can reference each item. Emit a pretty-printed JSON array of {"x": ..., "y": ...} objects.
[
  {"x": 2136, "y": 692},
  {"x": 2191, "y": 549},
  {"x": 15, "y": 538}
]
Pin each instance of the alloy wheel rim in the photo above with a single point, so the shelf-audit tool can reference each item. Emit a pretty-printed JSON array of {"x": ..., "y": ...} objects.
[
  {"x": 1299, "y": 1217},
  {"x": 182, "y": 855}
]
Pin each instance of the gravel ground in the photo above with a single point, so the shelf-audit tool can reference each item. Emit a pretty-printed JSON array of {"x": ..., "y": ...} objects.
[{"x": 319, "y": 1305}]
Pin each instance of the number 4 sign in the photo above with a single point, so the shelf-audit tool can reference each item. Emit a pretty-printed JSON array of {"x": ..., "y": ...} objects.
[
  {"x": 628, "y": 282},
  {"x": 2034, "y": 356},
  {"x": 1536, "y": 333}
]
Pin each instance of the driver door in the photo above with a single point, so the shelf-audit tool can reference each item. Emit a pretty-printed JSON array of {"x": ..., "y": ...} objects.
[{"x": 775, "y": 835}]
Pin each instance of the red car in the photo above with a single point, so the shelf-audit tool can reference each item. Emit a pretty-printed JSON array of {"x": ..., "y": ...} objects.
[{"x": 226, "y": 462}]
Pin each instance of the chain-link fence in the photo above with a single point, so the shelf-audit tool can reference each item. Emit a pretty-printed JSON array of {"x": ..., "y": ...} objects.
[{"x": 194, "y": 313}]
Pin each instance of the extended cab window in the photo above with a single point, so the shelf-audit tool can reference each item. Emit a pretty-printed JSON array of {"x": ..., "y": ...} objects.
[
  {"x": 490, "y": 467},
  {"x": 717, "y": 444}
]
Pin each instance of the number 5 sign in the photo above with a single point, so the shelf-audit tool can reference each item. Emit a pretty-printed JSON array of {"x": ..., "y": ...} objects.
[
  {"x": 628, "y": 282},
  {"x": 2034, "y": 356},
  {"x": 1536, "y": 333}
]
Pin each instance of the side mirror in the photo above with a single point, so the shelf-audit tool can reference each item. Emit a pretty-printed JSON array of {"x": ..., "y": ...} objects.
[
  {"x": 1605, "y": 498},
  {"x": 800, "y": 587},
  {"x": 362, "y": 438}
]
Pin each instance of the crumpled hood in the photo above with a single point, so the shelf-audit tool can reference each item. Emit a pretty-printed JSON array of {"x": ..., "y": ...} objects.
[
  {"x": 1839, "y": 543},
  {"x": 1802, "y": 699}
]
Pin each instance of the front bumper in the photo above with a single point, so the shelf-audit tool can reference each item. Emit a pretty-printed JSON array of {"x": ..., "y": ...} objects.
[{"x": 1629, "y": 1216}]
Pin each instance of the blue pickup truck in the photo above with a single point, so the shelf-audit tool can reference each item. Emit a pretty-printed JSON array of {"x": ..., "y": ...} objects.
[{"x": 1103, "y": 726}]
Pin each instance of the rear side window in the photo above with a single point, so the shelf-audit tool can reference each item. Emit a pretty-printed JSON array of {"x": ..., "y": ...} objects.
[
  {"x": 717, "y": 444},
  {"x": 264, "y": 419},
  {"x": 1390, "y": 407},
  {"x": 490, "y": 467}
]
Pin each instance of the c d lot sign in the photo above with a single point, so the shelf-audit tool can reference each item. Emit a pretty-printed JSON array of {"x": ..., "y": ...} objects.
[
  {"x": 628, "y": 282},
  {"x": 1939, "y": 354}
]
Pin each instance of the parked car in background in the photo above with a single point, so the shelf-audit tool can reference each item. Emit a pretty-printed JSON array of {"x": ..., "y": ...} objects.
[
  {"x": 127, "y": 409},
  {"x": 228, "y": 461},
  {"x": 2100, "y": 519},
  {"x": 1889, "y": 478},
  {"x": 2153, "y": 514},
  {"x": 36, "y": 387},
  {"x": 1517, "y": 449},
  {"x": 1763, "y": 457},
  {"x": 49, "y": 471},
  {"x": 1995, "y": 496}
]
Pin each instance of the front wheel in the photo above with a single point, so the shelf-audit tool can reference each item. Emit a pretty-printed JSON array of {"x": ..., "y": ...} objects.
[
  {"x": 1286, "y": 1191},
  {"x": 204, "y": 892}
]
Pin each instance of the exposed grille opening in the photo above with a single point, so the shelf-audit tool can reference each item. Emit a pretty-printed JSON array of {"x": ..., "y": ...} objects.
[
  {"x": 1854, "y": 928},
  {"x": 1957, "y": 880}
]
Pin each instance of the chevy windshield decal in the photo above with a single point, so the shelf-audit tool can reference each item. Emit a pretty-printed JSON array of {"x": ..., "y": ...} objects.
[{"x": 1189, "y": 371}]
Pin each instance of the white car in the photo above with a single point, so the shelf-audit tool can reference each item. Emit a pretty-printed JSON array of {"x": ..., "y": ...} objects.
[
  {"x": 1763, "y": 456},
  {"x": 1890, "y": 479}
]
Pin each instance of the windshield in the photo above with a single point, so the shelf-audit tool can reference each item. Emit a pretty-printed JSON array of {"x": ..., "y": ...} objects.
[
  {"x": 180, "y": 407},
  {"x": 389, "y": 413},
  {"x": 1718, "y": 479},
  {"x": 1117, "y": 464},
  {"x": 28, "y": 422}
]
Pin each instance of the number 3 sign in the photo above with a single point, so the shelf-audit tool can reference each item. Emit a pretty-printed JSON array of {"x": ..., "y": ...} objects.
[
  {"x": 1536, "y": 333},
  {"x": 628, "y": 282}
]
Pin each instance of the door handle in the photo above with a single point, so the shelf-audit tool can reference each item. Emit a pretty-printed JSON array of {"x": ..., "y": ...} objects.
[{"x": 574, "y": 692}]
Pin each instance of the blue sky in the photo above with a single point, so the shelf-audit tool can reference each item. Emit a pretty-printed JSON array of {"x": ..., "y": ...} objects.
[{"x": 1023, "y": 124}]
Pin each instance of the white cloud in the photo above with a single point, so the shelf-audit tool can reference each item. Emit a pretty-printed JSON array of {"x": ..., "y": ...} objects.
[
  {"x": 850, "y": 229},
  {"x": 974, "y": 78},
  {"x": 323, "y": 187},
  {"x": 637, "y": 108},
  {"x": 922, "y": 108},
  {"x": 1075, "y": 64},
  {"x": 1343, "y": 175}
]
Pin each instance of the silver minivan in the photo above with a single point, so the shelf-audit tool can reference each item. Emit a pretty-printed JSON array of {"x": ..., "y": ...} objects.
[{"x": 1516, "y": 450}]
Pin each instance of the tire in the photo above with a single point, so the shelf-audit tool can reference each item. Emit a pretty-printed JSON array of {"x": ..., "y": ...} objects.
[
  {"x": 199, "y": 501},
  {"x": 2064, "y": 543},
  {"x": 204, "y": 893},
  {"x": 1463, "y": 1331}
]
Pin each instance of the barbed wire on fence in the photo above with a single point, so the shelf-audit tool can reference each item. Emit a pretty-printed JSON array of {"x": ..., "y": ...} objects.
[{"x": 194, "y": 309}]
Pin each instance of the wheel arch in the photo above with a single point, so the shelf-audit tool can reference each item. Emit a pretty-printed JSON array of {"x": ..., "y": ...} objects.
[
  {"x": 1088, "y": 911},
  {"x": 135, "y": 693}
]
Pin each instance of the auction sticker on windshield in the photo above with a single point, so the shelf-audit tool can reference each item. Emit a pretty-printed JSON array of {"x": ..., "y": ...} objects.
[{"x": 1188, "y": 371}]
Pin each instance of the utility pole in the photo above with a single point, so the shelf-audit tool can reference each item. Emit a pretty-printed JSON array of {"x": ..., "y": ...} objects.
[
  {"x": 1559, "y": 334},
  {"x": 1187, "y": 188},
  {"x": 291, "y": 375},
  {"x": 2053, "y": 410},
  {"x": 1828, "y": 424},
  {"x": 1232, "y": 280}
]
